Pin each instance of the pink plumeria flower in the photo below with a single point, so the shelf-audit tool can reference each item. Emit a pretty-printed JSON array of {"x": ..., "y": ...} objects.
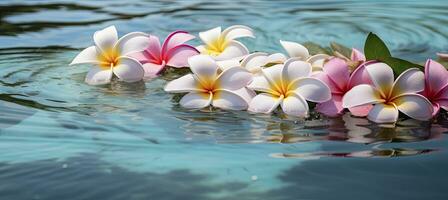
[
  {"x": 290, "y": 86},
  {"x": 389, "y": 96},
  {"x": 110, "y": 56},
  {"x": 336, "y": 74},
  {"x": 436, "y": 85},
  {"x": 206, "y": 86},
  {"x": 173, "y": 52}
]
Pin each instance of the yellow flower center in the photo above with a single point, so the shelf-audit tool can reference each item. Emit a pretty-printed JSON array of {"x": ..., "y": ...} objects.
[
  {"x": 280, "y": 89},
  {"x": 109, "y": 58},
  {"x": 216, "y": 47},
  {"x": 208, "y": 86}
]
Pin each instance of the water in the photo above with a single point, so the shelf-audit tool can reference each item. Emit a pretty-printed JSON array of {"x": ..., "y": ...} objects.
[{"x": 63, "y": 139}]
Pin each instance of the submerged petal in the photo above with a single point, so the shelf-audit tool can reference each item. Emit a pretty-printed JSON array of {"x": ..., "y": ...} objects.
[
  {"x": 86, "y": 56},
  {"x": 295, "y": 105},
  {"x": 98, "y": 76},
  {"x": 264, "y": 103},
  {"x": 361, "y": 95},
  {"x": 129, "y": 70},
  {"x": 132, "y": 43},
  {"x": 178, "y": 56},
  {"x": 415, "y": 106},
  {"x": 295, "y": 50},
  {"x": 185, "y": 83},
  {"x": 105, "y": 39},
  {"x": 383, "y": 113},
  {"x": 229, "y": 100},
  {"x": 237, "y": 31},
  {"x": 234, "y": 49},
  {"x": 234, "y": 78},
  {"x": 312, "y": 89},
  {"x": 196, "y": 100}
]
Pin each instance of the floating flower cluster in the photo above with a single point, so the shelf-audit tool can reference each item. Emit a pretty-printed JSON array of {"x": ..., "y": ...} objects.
[{"x": 226, "y": 75}]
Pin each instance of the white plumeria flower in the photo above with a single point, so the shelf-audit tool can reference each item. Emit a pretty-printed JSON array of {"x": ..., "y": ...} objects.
[
  {"x": 296, "y": 50},
  {"x": 206, "y": 87},
  {"x": 253, "y": 62},
  {"x": 222, "y": 45},
  {"x": 288, "y": 85},
  {"x": 109, "y": 56},
  {"x": 389, "y": 96}
]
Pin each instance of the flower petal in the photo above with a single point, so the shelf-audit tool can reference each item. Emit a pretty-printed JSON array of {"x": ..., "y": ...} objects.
[
  {"x": 273, "y": 75},
  {"x": 234, "y": 49},
  {"x": 226, "y": 64},
  {"x": 152, "y": 70},
  {"x": 312, "y": 89},
  {"x": 185, "y": 83},
  {"x": 133, "y": 42},
  {"x": 98, "y": 76},
  {"x": 234, "y": 78},
  {"x": 331, "y": 108},
  {"x": 196, "y": 100},
  {"x": 295, "y": 50},
  {"x": 361, "y": 95},
  {"x": 360, "y": 76},
  {"x": 382, "y": 77},
  {"x": 436, "y": 76},
  {"x": 203, "y": 66},
  {"x": 255, "y": 61},
  {"x": 176, "y": 38},
  {"x": 105, "y": 39},
  {"x": 210, "y": 36},
  {"x": 86, "y": 56},
  {"x": 260, "y": 83},
  {"x": 264, "y": 103},
  {"x": 360, "y": 111},
  {"x": 317, "y": 61},
  {"x": 295, "y": 105},
  {"x": 357, "y": 55},
  {"x": 237, "y": 31},
  {"x": 415, "y": 106},
  {"x": 129, "y": 70},
  {"x": 338, "y": 72},
  {"x": 294, "y": 69},
  {"x": 276, "y": 58},
  {"x": 443, "y": 56},
  {"x": 178, "y": 56},
  {"x": 154, "y": 50},
  {"x": 383, "y": 113},
  {"x": 330, "y": 83},
  {"x": 228, "y": 100},
  {"x": 410, "y": 81},
  {"x": 246, "y": 93}
]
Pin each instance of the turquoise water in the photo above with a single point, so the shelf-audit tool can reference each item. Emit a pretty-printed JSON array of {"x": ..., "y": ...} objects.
[{"x": 63, "y": 139}]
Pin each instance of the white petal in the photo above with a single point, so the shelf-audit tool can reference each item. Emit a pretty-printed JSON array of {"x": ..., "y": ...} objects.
[
  {"x": 129, "y": 70},
  {"x": 255, "y": 61},
  {"x": 295, "y": 105},
  {"x": 210, "y": 36},
  {"x": 277, "y": 58},
  {"x": 237, "y": 31},
  {"x": 246, "y": 93},
  {"x": 233, "y": 50},
  {"x": 312, "y": 89},
  {"x": 203, "y": 66},
  {"x": 132, "y": 43},
  {"x": 202, "y": 49},
  {"x": 273, "y": 75},
  {"x": 98, "y": 76},
  {"x": 295, "y": 50},
  {"x": 228, "y": 100},
  {"x": 382, "y": 77},
  {"x": 361, "y": 95},
  {"x": 234, "y": 78},
  {"x": 410, "y": 81},
  {"x": 264, "y": 103},
  {"x": 415, "y": 106},
  {"x": 383, "y": 113},
  {"x": 260, "y": 83},
  {"x": 294, "y": 69},
  {"x": 317, "y": 61},
  {"x": 226, "y": 64},
  {"x": 196, "y": 100},
  {"x": 86, "y": 56},
  {"x": 185, "y": 83},
  {"x": 105, "y": 39}
]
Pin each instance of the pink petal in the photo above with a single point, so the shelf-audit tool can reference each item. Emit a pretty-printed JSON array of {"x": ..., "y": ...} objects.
[
  {"x": 357, "y": 55},
  {"x": 337, "y": 70},
  {"x": 178, "y": 56},
  {"x": 436, "y": 77},
  {"x": 360, "y": 111},
  {"x": 360, "y": 75},
  {"x": 436, "y": 108},
  {"x": 331, "y": 84},
  {"x": 331, "y": 108},
  {"x": 144, "y": 57},
  {"x": 152, "y": 70},
  {"x": 154, "y": 50},
  {"x": 174, "y": 39}
]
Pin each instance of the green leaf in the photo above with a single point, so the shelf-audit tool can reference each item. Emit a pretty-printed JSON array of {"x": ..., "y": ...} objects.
[
  {"x": 343, "y": 50},
  {"x": 400, "y": 65},
  {"x": 375, "y": 49}
]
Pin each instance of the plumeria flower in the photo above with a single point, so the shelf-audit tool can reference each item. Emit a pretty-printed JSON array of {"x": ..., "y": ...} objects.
[
  {"x": 296, "y": 50},
  {"x": 389, "y": 96},
  {"x": 436, "y": 85},
  {"x": 222, "y": 45},
  {"x": 443, "y": 56},
  {"x": 336, "y": 74},
  {"x": 206, "y": 87},
  {"x": 109, "y": 56},
  {"x": 173, "y": 52},
  {"x": 253, "y": 62},
  {"x": 289, "y": 86},
  {"x": 356, "y": 58}
]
